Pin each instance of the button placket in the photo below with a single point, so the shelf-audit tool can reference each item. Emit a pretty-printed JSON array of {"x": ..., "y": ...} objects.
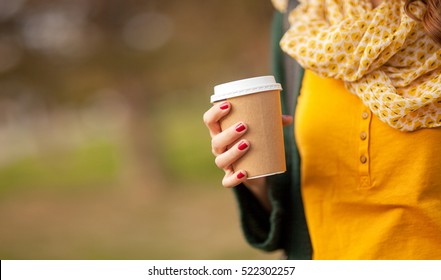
[{"x": 364, "y": 157}]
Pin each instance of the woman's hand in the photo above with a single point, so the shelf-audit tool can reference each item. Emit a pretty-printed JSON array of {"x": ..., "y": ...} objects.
[{"x": 220, "y": 140}]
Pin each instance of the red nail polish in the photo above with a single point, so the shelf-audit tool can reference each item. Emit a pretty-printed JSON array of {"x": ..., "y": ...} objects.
[
  {"x": 240, "y": 127},
  {"x": 240, "y": 175},
  {"x": 224, "y": 106},
  {"x": 242, "y": 146}
]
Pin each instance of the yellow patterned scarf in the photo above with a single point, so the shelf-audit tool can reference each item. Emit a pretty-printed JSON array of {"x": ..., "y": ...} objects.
[{"x": 381, "y": 54}]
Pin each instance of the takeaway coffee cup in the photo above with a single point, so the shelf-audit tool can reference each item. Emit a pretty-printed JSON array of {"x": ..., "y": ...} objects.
[{"x": 256, "y": 102}]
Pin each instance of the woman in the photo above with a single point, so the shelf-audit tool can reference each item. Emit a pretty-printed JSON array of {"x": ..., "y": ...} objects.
[{"x": 368, "y": 132}]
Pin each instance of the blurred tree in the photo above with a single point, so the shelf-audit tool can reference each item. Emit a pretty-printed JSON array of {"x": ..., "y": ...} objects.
[
  {"x": 61, "y": 53},
  {"x": 67, "y": 50}
]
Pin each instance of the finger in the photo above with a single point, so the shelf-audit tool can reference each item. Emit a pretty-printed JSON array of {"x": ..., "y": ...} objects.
[
  {"x": 214, "y": 114},
  {"x": 222, "y": 140},
  {"x": 286, "y": 120},
  {"x": 232, "y": 179},
  {"x": 233, "y": 154}
]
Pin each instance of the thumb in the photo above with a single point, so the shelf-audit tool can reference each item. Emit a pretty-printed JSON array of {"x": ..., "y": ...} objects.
[{"x": 286, "y": 120}]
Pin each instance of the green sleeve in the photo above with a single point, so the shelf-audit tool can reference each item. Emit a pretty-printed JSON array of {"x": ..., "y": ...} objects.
[{"x": 262, "y": 229}]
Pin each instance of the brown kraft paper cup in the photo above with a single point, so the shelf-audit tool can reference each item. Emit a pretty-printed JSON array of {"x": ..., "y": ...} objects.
[{"x": 256, "y": 102}]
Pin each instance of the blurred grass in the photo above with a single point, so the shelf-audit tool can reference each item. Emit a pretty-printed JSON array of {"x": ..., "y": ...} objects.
[
  {"x": 77, "y": 204},
  {"x": 115, "y": 225},
  {"x": 92, "y": 164}
]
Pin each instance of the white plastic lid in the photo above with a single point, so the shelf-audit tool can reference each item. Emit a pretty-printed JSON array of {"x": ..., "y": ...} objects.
[{"x": 244, "y": 87}]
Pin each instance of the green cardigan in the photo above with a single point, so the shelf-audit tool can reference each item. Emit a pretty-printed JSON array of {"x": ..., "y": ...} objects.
[{"x": 285, "y": 227}]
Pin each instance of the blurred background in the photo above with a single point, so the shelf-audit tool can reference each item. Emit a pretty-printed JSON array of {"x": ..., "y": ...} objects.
[{"x": 103, "y": 152}]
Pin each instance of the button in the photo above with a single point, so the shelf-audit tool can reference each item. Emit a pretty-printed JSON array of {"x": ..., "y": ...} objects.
[
  {"x": 363, "y": 135},
  {"x": 363, "y": 159},
  {"x": 365, "y": 115}
]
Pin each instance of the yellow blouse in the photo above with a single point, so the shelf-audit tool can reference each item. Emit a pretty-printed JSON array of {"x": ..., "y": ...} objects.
[{"x": 370, "y": 191}]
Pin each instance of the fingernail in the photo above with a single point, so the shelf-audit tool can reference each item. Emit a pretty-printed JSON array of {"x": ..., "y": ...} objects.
[
  {"x": 240, "y": 127},
  {"x": 242, "y": 146},
  {"x": 240, "y": 175},
  {"x": 224, "y": 106}
]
